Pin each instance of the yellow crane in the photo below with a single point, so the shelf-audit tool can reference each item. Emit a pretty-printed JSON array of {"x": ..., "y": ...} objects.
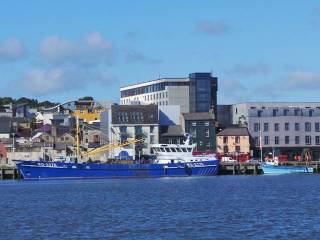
[
  {"x": 101, "y": 149},
  {"x": 109, "y": 147}
]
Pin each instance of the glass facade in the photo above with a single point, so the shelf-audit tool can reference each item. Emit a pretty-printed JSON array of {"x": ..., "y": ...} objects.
[{"x": 202, "y": 92}]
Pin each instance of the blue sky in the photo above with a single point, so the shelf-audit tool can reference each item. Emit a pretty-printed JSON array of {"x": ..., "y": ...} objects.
[{"x": 60, "y": 50}]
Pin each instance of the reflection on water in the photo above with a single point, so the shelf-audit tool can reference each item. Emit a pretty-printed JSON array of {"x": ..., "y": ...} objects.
[{"x": 220, "y": 207}]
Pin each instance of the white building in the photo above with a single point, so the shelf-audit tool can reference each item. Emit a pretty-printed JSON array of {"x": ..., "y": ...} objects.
[
  {"x": 129, "y": 122},
  {"x": 165, "y": 91},
  {"x": 285, "y": 128},
  {"x": 195, "y": 93}
]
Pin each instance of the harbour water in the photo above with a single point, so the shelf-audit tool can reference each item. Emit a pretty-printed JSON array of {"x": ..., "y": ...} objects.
[{"x": 220, "y": 207}]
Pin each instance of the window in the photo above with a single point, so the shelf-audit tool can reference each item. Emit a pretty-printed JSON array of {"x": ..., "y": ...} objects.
[
  {"x": 276, "y": 140},
  {"x": 296, "y": 112},
  {"x": 308, "y": 140},
  {"x": 317, "y": 140},
  {"x": 194, "y": 124},
  {"x": 151, "y": 129},
  {"x": 256, "y": 141},
  {"x": 276, "y": 127},
  {"x": 123, "y": 138},
  {"x": 238, "y": 149},
  {"x": 225, "y": 149},
  {"x": 257, "y": 127},
  {"x": 297, "y": 127},
  {"x": 207, "y": 133},
  {"x": 297, "y": 140},
  {"x": 266, "y": 140},
  {"x": 265, "y": 127},
  {"x": 173, "y": 149},
  {"x": 286, "y": 126},
  {"x": 206, "y": 124},
  {"x": 151, "y": 139},
  {"x": 317, "y": 127},
  {"x": 225, "y": 140},
  {"x": 138, "y": 130},
  {"x": 123, "y": 129},
  {"x": 274, "y": 112},
  {"x": 286, "y": 139},
  {"x": 308, "y": 126},
  {"x": 285, "y": 112},
  {"x": 208, "y": 146},
  {"x": 237, "y": 140},
  {"x": 310, "y": 113}
]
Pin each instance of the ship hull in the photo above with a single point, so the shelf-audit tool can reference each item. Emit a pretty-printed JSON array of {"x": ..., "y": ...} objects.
[
  {"x": 270, "y": 169},
  {"x": 60, "y": 170}
]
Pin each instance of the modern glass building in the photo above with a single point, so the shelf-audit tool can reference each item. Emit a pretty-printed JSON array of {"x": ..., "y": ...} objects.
[
  {"x": 196, "y": 93},
  {"x": 203, "y": 92}
]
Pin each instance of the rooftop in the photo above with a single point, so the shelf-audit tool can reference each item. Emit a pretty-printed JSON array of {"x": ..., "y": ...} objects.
[
  {"x": 134, "y": 114},
  {"x": 234, "y": 131},
  {"x": 198, "y": 116},
  {"x": 172, "y": 130},
  {"x": 140, "y": 84}
]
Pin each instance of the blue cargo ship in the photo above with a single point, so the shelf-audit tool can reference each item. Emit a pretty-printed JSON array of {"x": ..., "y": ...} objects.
[
  {"x": 172, "y": 160},
  {"x": 62, "y": 170}
]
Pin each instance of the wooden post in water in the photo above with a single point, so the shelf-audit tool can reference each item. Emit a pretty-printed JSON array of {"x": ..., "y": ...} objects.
[{"x": 1, "y": 171}]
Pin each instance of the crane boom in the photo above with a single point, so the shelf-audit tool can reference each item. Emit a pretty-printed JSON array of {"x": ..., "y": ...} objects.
[{"x": 109, "y": 147}]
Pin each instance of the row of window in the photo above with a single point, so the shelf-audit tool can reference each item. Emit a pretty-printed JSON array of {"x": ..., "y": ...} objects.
[
  {"x": 137, "y": 129},
  {"x": 226, "y": 149},
  {"x": 151, "y": 88},
  {"x": 194, "y": 124},
  {"x": 286, "y": 112},
  {"x": 194, "y": 132},
  {"x": 225, "y": 140},
  {"x": 276, "y": 127},
  {"x": 307, "y": 140}
]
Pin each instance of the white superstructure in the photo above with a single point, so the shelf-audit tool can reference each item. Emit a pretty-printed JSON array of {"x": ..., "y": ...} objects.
[{"x": 179, "y": 153}]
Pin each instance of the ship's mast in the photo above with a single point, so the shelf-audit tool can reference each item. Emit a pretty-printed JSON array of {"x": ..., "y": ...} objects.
[{"x": 78, "y": 136}]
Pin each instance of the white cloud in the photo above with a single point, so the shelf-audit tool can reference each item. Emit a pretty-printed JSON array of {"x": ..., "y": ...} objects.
[
  {"x": 55, "y": 49},
  {"x": 138, "y": 57},
  {"x": 248, "y": 70},
  {"x": 41, "y": 82},
  {"x": 11, "y": 49},
  {"x": 231, "y": 90},
  {"x": 213, "y": 27},
  {"x": 301, "y": 80},
  {"x": 93, "y": 49}
]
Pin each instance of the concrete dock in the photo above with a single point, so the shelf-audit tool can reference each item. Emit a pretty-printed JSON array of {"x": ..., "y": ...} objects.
[
  {"x": 9, "y": 172},
  {"x": 236, "y": 168}
]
